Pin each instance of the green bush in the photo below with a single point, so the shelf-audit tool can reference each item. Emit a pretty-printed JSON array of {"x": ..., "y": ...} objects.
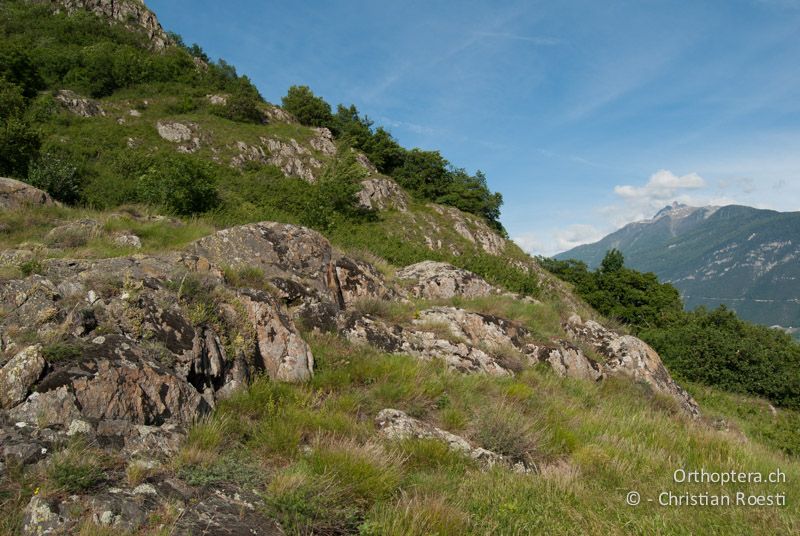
[
  {"x": 19, "y": 145},
  {"x": 58, "y": 176},
  {"x": 309, "y": 109},
  {"x": 179, "y": 184},
  {"x": 243, "y": 104}
]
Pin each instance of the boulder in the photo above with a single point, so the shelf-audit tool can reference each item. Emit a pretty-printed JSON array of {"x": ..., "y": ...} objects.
[
  {"x": 73, "y": 234},
  {"x": 630, "y": 357},
  {"x": 15, "y": 194},
  {"x": 439, "y": 280},
  {"x": 566, "y": 360},
  {"x": 41, "y": 518},
  {"x": 396, "y": 425},
  {"x": 382, "y": 194},
  {"x": 78, "y": 105},
  {"x": 422, "y": 342},
  {"x": 128, "y": 240},
  {"x": 183, "y": 134},
  {"x": 46, "y": 409},
  {"x": 289, "y": 253},
  {"x": 19, "y": 374},
  {"x": 138, "y": 393},
  {"x": 292, "y": 158},
  {"x": 282, "y": 351}
]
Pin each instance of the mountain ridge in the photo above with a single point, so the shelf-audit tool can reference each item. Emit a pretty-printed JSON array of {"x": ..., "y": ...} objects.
[{"x": 734, "y": 255}]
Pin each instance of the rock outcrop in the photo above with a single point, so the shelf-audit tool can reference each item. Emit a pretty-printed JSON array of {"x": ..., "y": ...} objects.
[
  {"x": 182, "y": 134},
  {"x": 15, "y": 194},
  {"x": 131, "y": 13},
  {"x": 19, "y": 374},
  {"x": 630, "y": 357},
  {"x": 78, "y": 105},
  {"x": 396, "y": 425},
  {"x": 438, "y": 280},
  {"x": 308, "y": 274},
  {"x": 382, "y": 194}
]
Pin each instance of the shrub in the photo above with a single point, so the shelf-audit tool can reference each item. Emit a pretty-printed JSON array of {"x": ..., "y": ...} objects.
[
  {"x": 179, "y": 184},
  {"x": 19, "y": 145},
  {"x": 58, "y": 176},
  {"x": 504, "y": 429},
  {"x": 243, "y": 104},
  {"x": 309, "y": 109}
]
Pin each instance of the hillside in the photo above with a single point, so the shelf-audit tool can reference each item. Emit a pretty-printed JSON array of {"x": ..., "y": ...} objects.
[
  {"x": 741, "y": 257},
  {"x": 220, "y": 317}
]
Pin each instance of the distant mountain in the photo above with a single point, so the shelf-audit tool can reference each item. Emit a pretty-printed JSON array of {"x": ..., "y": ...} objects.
[{"x": 743, "y": 257}]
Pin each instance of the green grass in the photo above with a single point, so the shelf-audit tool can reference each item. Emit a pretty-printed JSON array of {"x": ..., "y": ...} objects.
[{"x": 329, "y": 472}]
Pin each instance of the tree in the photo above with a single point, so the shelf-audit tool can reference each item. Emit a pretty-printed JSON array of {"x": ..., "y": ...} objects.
[
  {"x": 612, "y": 262},
  {"x": 309, "y": 109}
]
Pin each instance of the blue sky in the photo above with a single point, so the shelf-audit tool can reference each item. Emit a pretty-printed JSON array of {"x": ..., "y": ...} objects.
[{"x": 585, "y": 115}]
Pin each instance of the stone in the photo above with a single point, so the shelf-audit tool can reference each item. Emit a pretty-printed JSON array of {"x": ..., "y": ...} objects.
[
  {"x": 180, "y": 133},
  {"x": 283, "y": 352},
  {"x": 137, "y": 393},
  {"x": 128, "y": 240},
  {"x": 74, "y": 234},
  {"x": 40, "y": 519},
  {"x": 15, "y": 195},
  {"x": 226, "y": 513},
  {"x": 364, "y": 162},
  {"x": 218, "y": 100},
  {"x": 566, "y": 360},
  {"x": 382, "y": 194},
  {"x": 46, "y": 409},
  {"x": 630, "y": 357},
  {"x": 78, "y": 105},
  {"x": 397, "y": 425},
  {"x": 293, "y": 159},
  {"x": 296, "y": 255},
  {"x": 323, "y": 141},
  {"x": 19, "y": 374},
  {"x": 438, "y": 280},
  {"x": 421, "y": 342}
]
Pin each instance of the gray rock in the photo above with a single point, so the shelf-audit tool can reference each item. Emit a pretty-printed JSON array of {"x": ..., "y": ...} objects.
[
  {"x": 19, "y": 374},
  {"x": 128, "y": 240},
  {"x": 396, "y": 425},
  {"x": 15, "y": 194},
  {"x": 439, "y": 280},
  {"x": 74, "y": 234},
  {"x": 630, "y": 357},
  {"x": 41, "y": 519},
  {"x": 323, "y": 141},
  {"x": 381, "y": 194},
  {"x": 45, "y": 409},
  {"x": 284, "y": 354},
  {"x": 79, "y": 105},
  {"x": 183, "y": 134}
]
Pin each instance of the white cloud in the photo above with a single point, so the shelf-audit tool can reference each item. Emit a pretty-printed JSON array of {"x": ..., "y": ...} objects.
[
  {"x": 558, "y": 240},
  {"x": 662, "y": 185},
  {"x": 576, "y": 235},
  {"x": 662, "y": 188}
]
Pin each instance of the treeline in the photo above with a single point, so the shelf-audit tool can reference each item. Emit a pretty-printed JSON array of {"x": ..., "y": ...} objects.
[
  {"x": 711, "y": 347},
  {"x": 426, "y": 174}
]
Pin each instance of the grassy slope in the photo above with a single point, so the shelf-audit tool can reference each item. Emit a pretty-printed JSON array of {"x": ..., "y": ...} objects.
[{"x": 312, "y": 450}]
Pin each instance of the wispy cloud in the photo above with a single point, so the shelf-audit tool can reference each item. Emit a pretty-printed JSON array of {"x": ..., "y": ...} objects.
[{"x": 534, "y": 39}]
